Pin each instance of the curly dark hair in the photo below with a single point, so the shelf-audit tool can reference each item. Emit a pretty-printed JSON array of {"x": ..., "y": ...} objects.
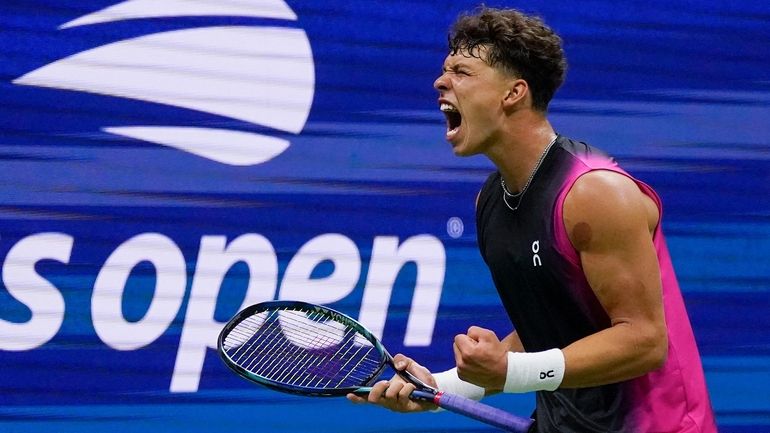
[{"x": 521, "y": 45}]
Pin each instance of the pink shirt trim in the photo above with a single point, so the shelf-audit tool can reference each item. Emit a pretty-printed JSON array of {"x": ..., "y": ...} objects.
[{"x": 673, "y": 398}]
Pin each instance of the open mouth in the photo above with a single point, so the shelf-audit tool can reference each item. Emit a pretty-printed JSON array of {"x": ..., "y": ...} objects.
[{"x": 453, "y": 117}]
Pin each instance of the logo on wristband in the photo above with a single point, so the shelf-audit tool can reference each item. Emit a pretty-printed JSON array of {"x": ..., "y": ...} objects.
[{"x": 546, "y": 374}]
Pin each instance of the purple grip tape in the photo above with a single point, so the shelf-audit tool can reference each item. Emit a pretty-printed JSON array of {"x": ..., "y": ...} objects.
[{"x": 482, "y": 412}]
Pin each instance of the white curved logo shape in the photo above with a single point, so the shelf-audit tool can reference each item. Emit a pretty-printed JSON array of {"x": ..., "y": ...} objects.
[{"x": 261, "y": 75}]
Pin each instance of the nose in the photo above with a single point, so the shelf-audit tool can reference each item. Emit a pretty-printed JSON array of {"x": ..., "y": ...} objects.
[{"x": 441, "y": 83}]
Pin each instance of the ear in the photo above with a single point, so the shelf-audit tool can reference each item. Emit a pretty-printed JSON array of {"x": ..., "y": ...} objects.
[{"x": 516, "y": 93}]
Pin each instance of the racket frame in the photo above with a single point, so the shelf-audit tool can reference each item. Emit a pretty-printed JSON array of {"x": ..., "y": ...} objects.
[
  {"x": 384, "y": 356},
  {"x": 458, "y": 404}
]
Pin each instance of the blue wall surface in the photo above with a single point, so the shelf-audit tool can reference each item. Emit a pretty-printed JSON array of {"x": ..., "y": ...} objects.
[{"x": 165, "y": 163}]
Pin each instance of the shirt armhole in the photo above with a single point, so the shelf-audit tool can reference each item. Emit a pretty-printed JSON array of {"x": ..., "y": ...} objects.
[{"x": 562, "y": 242}]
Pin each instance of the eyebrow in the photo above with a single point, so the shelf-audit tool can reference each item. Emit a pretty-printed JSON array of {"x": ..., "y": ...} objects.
[{"x": 454, "y": 66}]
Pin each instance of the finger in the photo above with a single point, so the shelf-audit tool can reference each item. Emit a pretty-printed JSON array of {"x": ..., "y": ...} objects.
[
  {"x": 402, "y": 362},
  {"x": 357, "y": 399},
  {"x": 392, "y": 392},
  {"x": 481, "y": 334},
  {"x": 406, "y": 392},
  {"x": 460, "y": 362},
  {"x": 464, "y": 343},
  {"x": 458, "y": 353},
  {"x": 378, "y": 390}
]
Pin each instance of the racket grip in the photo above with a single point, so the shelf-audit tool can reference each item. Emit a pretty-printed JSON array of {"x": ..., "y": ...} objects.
[{"x": 482, "y": 412}]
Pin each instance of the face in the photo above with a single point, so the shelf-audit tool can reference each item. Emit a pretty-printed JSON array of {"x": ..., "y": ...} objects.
[{"x": 471, "y": 95}]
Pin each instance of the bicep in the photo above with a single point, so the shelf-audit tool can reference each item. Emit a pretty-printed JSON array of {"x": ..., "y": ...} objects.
[
  {"x": 608, "y": 222},
  {"x": 625, "y": 279}
]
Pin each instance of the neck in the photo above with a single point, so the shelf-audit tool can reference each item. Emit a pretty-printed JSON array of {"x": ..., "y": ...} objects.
[{"x": 521, "y": 146}]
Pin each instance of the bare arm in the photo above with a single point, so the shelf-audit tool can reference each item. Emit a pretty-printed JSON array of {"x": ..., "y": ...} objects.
[
  {"x": 610, "y": 223},
  {"x": 513, "y": 342}
]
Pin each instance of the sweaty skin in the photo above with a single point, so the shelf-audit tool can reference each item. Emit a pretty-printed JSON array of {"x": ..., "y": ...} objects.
[
  {"x": 620, "y": 263},
  {"x": 609, "y": 222},
  {"x": 580, "y": 235}
]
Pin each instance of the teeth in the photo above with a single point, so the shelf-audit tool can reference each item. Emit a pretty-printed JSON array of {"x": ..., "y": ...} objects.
[{"x": 448, "y": 108}]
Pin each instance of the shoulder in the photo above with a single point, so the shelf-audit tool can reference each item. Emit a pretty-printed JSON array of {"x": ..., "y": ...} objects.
[
  {"x": 603, "y": 188},
  {"x": 492, "y": 179},
  {"x": 605, "y": 206},
  {"x": 486, "y": 188}
]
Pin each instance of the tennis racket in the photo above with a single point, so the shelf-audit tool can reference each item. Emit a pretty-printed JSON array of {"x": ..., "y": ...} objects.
[{"x": 312, "y": 350}]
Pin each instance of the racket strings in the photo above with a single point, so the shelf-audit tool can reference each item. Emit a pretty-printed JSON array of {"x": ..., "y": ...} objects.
[
  {"x": 331, "y": 366},
  {"x": 298, "y": 348},
  {"x": 307, "y": 368}
]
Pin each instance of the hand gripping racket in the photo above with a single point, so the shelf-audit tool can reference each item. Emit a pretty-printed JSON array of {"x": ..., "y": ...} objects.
[{"x": 311, "y": 350}]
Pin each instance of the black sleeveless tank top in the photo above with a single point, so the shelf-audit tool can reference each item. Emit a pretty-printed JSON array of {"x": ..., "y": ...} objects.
[
  {"x": 533, "y": 280},
  {"x": 541, "y": 283}
]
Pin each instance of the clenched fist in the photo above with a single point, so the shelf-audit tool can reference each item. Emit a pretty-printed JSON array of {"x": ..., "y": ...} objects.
[{"x": 481, "y": 358}]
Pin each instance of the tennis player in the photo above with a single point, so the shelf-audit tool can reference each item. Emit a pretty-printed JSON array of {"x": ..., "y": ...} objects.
[{"x": 575, "y": 249}]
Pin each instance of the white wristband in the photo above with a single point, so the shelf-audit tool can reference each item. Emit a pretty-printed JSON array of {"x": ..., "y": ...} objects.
[
  {"x": 538, "y": 371},
  {"x": 449, "y": 382}
]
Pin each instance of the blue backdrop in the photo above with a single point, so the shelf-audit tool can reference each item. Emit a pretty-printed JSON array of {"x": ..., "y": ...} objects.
[{"x": 166, "y": 162}]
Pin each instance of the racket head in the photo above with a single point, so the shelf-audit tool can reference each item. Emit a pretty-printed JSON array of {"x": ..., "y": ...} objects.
[{"x": 301, "y": 348}]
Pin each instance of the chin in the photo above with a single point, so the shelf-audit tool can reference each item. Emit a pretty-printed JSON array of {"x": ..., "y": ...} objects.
[
  {"x": 464, "y": 150},
  {"x": 458, "y": 150}
]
